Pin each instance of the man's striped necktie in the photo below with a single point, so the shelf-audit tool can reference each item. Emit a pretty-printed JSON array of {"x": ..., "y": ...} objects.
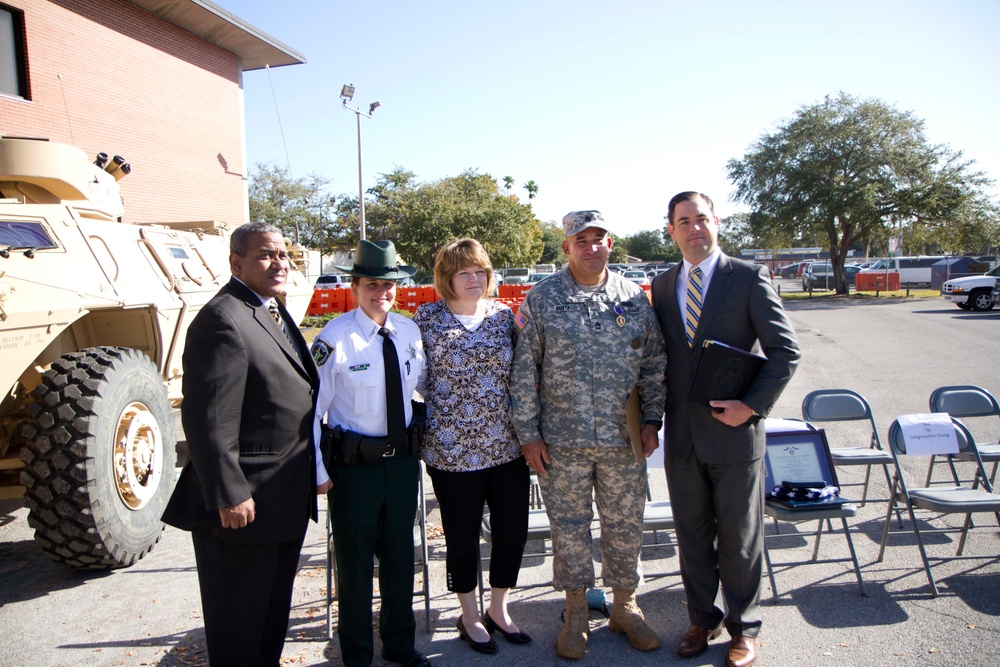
[{"x": 692, "y": 306}]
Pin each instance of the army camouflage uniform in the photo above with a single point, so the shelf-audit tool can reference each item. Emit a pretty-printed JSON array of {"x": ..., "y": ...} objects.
[{"x": 578, "y": 357}]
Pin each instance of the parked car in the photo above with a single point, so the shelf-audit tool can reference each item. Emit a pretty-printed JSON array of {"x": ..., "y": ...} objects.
[
  {"x": 426, "y": 280},
  {"x": 638, "y": 277},
  {"x": 332, "y": 281},
  {"x": 971, "y": 292},
  {"x": 788, "y": 270},
  {"x": 535, "y": 278},
  {"x": 819, "y": 275},
  {"x": 802, "y": 267}
]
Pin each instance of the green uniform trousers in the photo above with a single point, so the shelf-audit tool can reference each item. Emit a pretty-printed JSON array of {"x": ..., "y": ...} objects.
[{"x": 372, "y": 508}]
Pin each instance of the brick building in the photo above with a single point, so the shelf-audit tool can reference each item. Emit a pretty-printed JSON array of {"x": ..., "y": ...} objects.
[{"x": 158, "y": 82}]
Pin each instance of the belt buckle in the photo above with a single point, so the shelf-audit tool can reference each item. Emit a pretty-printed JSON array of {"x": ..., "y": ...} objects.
[{"x": 389, "y": 452}]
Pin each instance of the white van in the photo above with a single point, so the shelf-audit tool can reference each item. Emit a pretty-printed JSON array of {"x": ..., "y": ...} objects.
[
  {"x": 516, "y": 276},
  {"x": 912, "y": 270}
]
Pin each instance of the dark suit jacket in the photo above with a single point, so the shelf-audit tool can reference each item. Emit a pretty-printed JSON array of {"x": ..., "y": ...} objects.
[
  {"x": 742, "y": 309},
  {"x": 249, "y": 400}
]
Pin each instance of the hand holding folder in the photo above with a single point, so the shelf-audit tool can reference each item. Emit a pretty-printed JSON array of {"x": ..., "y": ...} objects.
[{"x": 724, "y": 373}]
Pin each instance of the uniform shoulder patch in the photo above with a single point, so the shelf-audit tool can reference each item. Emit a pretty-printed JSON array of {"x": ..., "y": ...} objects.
[
  {"x": 520, "y": 319},
  {"x": 320, "y": 352}
]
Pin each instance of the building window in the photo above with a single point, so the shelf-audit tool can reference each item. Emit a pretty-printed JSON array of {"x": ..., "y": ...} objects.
[{"x": 13, "y": 68}]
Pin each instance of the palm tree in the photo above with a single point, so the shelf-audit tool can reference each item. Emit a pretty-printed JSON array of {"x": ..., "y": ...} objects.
[
  {"x": 532, "y": 189},
  {"x": 508, "y": 183}
]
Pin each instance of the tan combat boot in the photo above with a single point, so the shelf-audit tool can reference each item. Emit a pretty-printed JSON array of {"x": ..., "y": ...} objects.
[
  {"x": 626, "y": 617},
  {"x": 572, "y": 642}
]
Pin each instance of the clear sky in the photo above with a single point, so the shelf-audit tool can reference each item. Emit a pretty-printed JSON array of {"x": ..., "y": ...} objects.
[{"x": 608, "y": 105}]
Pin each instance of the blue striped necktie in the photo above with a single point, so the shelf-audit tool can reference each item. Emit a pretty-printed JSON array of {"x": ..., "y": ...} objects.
[{"x": 692, "y": 306}]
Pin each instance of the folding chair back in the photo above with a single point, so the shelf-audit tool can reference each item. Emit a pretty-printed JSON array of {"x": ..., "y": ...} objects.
[
  {"x": 841, "y": 405},
  {"x": 964, "y": 401}
]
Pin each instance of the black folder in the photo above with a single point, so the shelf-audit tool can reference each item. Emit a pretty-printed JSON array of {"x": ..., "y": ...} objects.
[{"x": 724, "y": 373}]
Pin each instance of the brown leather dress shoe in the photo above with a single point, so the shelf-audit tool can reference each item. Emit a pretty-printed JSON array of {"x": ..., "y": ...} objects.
[
  {"x": 742, "y": 652},
  {"x": 695, "y": 641}
]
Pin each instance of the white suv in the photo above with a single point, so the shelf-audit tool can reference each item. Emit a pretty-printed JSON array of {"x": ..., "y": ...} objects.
[
  {"x": 971, "y": 292},
  {"x": 332, "y": 281}
]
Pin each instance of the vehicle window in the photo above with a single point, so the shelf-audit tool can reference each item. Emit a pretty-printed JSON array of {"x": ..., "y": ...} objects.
[{"x": 24, "y": 235}]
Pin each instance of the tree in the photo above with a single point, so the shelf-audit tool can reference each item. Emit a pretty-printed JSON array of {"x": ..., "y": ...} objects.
[
  {"x": 647, "y": 245},
  {"x": 735, "y": 234},
  {"x": 552, "y": 238},
  {"x": 300, "y": 207},
  {"x": 532, "y": 189},
  {"x": 618, "y": 254},
  {"x": 508, "y": 183},
  {"x": 421, "y": 217},
  {"x": 848, "y": 170}
]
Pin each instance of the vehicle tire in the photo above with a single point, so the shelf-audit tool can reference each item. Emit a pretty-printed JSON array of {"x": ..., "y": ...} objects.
[
  {"x": 981, "y": 300},
  {"x": 99, "y": 455}
]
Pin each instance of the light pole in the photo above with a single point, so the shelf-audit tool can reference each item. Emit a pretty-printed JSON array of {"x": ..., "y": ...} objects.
[{"x": 346, "y": 93}]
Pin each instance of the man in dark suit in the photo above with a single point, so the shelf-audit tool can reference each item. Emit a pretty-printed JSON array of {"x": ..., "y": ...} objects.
[
  {"x": 714, "y": 458},
  {"x": 250, "y": 487}
]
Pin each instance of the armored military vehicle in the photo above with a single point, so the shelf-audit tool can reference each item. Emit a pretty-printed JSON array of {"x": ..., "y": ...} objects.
[{"x": 93, "y": 316}]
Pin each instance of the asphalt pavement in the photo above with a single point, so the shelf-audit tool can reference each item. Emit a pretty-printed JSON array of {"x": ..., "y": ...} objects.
[{"x": 894, "y": 352}]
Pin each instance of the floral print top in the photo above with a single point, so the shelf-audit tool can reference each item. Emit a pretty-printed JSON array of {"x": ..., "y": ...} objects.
[{"x": 468, "y": 388}]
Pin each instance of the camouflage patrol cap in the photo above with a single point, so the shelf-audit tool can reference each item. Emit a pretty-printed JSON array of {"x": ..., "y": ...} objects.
[{"x": 575, "y": 222}]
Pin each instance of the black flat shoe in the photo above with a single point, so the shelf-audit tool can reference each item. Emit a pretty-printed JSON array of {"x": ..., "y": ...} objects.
[
  {"x": 512, "y": 637},
  {"x": 489, "y": 647}
]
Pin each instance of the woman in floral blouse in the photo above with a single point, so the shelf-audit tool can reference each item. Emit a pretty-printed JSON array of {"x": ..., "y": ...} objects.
[{"x": 472, "y": 454}]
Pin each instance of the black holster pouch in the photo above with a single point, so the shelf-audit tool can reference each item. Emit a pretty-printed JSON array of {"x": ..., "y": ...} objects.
[{"x": 339, "y": 445}]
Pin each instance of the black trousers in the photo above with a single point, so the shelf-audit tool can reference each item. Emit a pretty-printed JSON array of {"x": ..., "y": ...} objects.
[
  {"x": 246, "y": 598},
  {"x": 373, "y": 508},
  {"x": 461, "y": 497}
]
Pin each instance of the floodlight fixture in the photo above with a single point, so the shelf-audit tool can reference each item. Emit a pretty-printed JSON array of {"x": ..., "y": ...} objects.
[
  {"x": 347, "y": 92},
  {"x": 374, "y": 105}
]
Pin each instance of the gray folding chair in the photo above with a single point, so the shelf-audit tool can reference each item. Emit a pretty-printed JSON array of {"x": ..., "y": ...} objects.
[
  {"x": 939, "y": 499},
  {"x": 809, "y": 437},
  {"x": 840, "y": 405},
  {"x": 962, "y": 402},
  {"x": 419, "y": 533}
]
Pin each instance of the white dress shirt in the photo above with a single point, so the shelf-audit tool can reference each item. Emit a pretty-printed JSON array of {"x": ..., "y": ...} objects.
[{"x": 352, "y": 375}]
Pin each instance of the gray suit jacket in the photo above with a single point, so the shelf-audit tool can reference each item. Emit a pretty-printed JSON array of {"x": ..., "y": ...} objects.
[
  {"x": 249, "y": 400},
  {"x": 742, "y": 309}
]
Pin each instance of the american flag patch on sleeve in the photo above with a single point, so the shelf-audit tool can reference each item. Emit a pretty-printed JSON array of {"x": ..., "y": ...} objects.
[{"x": 520, "y": 319}]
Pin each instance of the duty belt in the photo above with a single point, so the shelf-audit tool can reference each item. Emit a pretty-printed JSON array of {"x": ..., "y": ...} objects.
[{"x": 339, "y": 445}]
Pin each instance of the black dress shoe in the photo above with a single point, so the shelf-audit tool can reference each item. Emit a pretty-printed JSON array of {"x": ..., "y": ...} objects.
[
  {"x": 488, "y": 647},
  {"x": 512, "y": 637},
  {"x": 414, "y": 659}
]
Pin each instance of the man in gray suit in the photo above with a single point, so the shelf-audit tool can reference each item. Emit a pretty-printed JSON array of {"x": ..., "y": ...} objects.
[{"x": 714, "y": 458}]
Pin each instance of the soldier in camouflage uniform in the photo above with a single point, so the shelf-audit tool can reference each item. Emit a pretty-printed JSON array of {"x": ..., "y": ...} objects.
[{"x": 588, "y": 337}]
